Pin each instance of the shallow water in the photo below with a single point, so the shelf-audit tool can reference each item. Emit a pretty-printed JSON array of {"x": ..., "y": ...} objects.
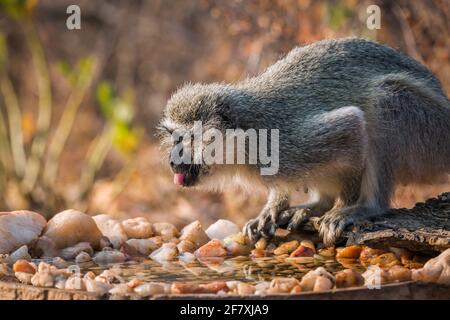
[{"x": 238, "y": 268}]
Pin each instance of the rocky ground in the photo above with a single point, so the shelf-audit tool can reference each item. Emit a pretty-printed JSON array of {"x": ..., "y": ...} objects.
[{"x": 137, "y": 259}]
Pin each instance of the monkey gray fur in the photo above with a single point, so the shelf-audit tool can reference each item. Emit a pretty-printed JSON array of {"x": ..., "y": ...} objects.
[{"x": 355, "y": 118}]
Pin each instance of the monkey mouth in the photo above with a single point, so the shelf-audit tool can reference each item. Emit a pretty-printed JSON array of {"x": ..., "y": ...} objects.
[{"x": 186, "y": 178}]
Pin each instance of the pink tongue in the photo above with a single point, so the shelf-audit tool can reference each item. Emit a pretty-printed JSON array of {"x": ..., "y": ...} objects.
[{"x": 178, "y": 179}]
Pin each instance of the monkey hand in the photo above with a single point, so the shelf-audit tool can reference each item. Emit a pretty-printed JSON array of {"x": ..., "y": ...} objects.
[{"x": 262, "y": 226}]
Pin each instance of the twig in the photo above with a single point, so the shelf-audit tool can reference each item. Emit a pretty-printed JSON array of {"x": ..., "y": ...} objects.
[
  {"x": 408, "y": 35},
  {"x": 5, "y": 152},
  {"x": 45, "y": 107},
  {"x": 66, "y": 124},
  {"x": 15, "y": 124},
  {"x": 95, "y": 157}
]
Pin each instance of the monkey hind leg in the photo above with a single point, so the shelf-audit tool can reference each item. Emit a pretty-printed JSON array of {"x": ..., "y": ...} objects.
[{"x": 413, "y": 125}]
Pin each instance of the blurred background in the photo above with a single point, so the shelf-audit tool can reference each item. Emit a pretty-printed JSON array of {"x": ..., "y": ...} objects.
[{"x": 78, "y": 108}]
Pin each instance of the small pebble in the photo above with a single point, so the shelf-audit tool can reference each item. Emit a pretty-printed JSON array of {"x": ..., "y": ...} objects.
[
  {"x": 348, "y": 278},
  {"x": 82, "y": 257},
  {"x": 221, "y": 229},
  {"x": 109, "y": 256},
  {"x": 322, "y": 284},
  {"x": 261, "y": 244},
  {"x": 167, "y": 252},
  {"x": 213, "y": 248},
  {"x": 137, "y": 228},
  {"x": 75, "y": 282},
  {"x": 24, "y": 277},
  {"x": 150, "y": 289},
  {"x": 23, "y": 266},
  {"x": 166, "y": 230},
  {"x": 144, "y": 246},
  {"x": 195, "y": 234},
  {"x": 70, "y": 253},
  {"x": 350, "y": 252},
  {"x": 286, "y": 248}
]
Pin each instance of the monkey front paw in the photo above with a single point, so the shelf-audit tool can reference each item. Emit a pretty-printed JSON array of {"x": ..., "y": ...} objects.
[
  {"x": 261, "y": 226},
  {"x": 293, "y": 218},
  {"x": 333, "y": 225},
  {"x": 336, "y": 221}
]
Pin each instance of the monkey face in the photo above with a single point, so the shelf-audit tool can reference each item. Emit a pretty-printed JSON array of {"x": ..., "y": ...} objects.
[
  {"x": 183, "y": 147},
  {"x": 191, "y": 113}
]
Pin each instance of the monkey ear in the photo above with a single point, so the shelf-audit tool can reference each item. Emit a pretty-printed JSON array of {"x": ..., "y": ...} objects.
[{"x": 227, "y": 115}]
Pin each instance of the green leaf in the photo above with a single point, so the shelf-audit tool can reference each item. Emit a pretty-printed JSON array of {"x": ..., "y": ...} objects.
[
  {"x": 105, "y": 97},
  {"x": 3, "y": 51},
  {"x": 18, "y": 8}
]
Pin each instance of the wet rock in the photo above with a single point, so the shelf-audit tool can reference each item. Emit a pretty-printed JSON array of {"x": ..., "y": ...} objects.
[
  {"x": 322, "y": 284},
  {"x": 44, "y": 247},
  {"x": 300, "y": 260},
  {"x": 186, "y": 257},
  {"x": 150, "y": 289},
  {"x": 350, "y": 252},
  {"x": 327, "y": 252},
  {"x": 245, "y": 288},
  {"x": 5, "y": 270},
  {"x": 302, "y": 251},
  {"x": 213, "y": 248},
  {"x": 261, "y": 244},
  {"x": 258, "y": 253},
  {"x": 137, "y": 228},
  {"x": 385, "y": 260},
  {"x": 19, "y": 254},
  {"x": 308, "y": 281},
  {"x": 75, "y": 282},
  {"x": 282, "y": 285},
  {"x": 348, "y": 278},
  {"x": 19, "y": 228},
  {"x": 109, "y": 256},
  {"x": 110, "y": 276},
  {"x": 399, "y": 274},
  {"x": 436, "y": 270},
  {"x": 167, "y": 252},
  {"x": 98, "y": 287},
  {"x": 24, "y": 266},
  {"x": 43, "y": 277},
  {"x": 194, "y": 233},
  {"x": 375, "y": 276},
  {"x": 60, "y": 283},
  {"x": 24, "y": 277},
  {"x": 145, "y": 246},
  {"x": 121, "y": 289},
  {"x": 166, "y": 230},
  {"x": 237, "y": 249},
  {"x": 60, "y": 263},
  {"x": 367, "y": 254},
  {"x": 221, "y": 229},
  {"x": 296, "y": 290},
  {"x": 212, "y": 287},
  {"x": 286, "y": 248},
  {"x": 71, "y": 253},
  {"x": 237, "y": 245},
  {"x": 82, "y": 257},
  {"x": 186, "y": 246},
  {"x": 70, "y": 227},
  {"x": 112, "y": 229}
]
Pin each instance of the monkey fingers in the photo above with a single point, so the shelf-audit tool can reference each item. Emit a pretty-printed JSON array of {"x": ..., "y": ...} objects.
[{"x": 335, "y": 222}]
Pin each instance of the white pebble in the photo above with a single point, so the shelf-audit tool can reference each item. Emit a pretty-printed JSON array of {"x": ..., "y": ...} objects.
[
  {"x": 221, "y": 229},
  {"x": 167, "y": 252},
  {"x": 109, "y": 256},
  {"x": 137, "y": 228}
]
